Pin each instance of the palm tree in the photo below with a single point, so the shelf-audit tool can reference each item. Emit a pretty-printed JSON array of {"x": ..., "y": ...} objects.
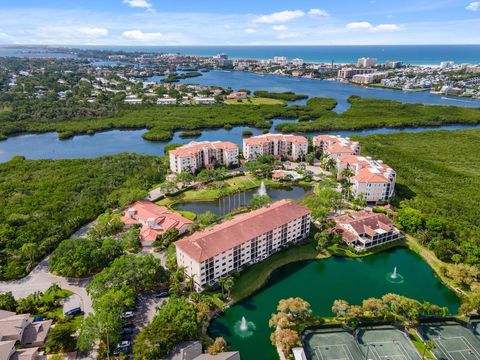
[
  {"x": 221, "y": 282},
  {"x": 228, "y": 285},
  {"x": 30, "y": 250}
]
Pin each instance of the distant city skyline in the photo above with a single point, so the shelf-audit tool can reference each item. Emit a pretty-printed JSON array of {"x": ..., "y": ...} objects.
[{"x": 213, "y": 22}]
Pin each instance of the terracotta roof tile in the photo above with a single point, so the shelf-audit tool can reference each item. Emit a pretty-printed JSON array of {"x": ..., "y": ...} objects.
[{"x": 203, "y": 245}]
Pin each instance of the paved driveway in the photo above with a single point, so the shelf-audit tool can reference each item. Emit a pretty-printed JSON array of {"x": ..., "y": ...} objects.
[{"x": 40, "y": 279}]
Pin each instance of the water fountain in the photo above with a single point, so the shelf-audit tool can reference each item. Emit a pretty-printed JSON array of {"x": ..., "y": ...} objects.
[
  {"x": 394, "y": 277},
  {"x": 244, "y": 328},
  {"x": 262, "y": 190}
]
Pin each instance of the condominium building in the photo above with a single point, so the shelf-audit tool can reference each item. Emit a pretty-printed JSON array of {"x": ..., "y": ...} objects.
[
  {"x": 365, "y": 229},
  {"x": 197, "y": 155},
  {"x": 246, "y": 239},
  {"x": 366, "y": 62},
  {"x": 335, "y": 146},
  {"x": 371, "y": 179},
  {"x": 369, "y": 78},
  {"x": 348, "y": 72},
  {"x": 289, "y": 146}
]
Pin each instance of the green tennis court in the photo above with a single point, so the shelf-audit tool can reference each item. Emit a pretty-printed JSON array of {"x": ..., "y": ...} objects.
[
  {"x": 453, "y": 341},
  {"x": 332, "y": 344},
  {"x": 386, "y": 343}
]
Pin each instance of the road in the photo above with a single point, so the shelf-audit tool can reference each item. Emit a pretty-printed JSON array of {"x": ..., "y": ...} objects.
[{"x": 40, "y": 279}]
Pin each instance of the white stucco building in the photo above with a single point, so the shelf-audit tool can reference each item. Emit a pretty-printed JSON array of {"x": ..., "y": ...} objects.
[
  {"x": 335, "y": 146},
  {"x": 291, "y": 147},
  {"x": 372, "y": 179},
  {"x": 365, "y": 229},
  {"x": 197, "y": 155},
  {"x": 246, "y": 239}
]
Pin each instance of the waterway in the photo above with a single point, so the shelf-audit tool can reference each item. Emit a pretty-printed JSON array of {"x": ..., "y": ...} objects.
[
  {"x": 319, "y": 88},
  {"x": 48, "y": 146},
  {"x": 320, "y": 282},
  {"x": 227, "y": 204}
]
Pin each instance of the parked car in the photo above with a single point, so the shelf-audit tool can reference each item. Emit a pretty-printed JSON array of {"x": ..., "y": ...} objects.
[
  {"x": 73, "y": 312},
  {"x": 128, "y": 315},
  {"x": 162, "y": 294},
  {"x": 129, "y": 329},
  {"x": 123, "y": 347}
]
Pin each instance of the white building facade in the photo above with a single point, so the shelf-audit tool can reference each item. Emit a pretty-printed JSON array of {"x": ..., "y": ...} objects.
[
  {"x": 371, "y": 179},
  {"x": 246, "y": 239},
  {"x": 197, "y": 155},
  {"x": 289, "y": 146},
  {"x": 335, "y": 146}
]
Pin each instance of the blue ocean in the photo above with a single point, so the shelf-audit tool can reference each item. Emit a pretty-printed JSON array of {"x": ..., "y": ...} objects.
[{"x": 409, "y": 54}]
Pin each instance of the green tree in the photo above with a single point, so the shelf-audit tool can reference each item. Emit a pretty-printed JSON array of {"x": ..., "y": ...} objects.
[
  {"x": 218, "y": 346},
  {"x": 7, "y": 301},
  {"x": 176, "y": 321}
]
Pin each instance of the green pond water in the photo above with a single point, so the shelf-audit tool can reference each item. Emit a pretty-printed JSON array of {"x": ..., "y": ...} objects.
[{"x": 320, "y": 282}]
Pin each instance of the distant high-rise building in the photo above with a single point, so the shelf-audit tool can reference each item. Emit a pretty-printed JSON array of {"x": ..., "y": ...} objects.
[
  {"x": 393, "y": 64},
  {"x": 366, "y": 62},
  {"x": 446, "y": 64},
  {"x": 280, "y": 60},
  {"x": 297, "y": 62}
]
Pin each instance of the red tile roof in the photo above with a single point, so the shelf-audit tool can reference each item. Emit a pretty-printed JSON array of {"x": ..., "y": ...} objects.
[
  {"x": 261, "y": 139},
  {"x": 367, "y": 176},
  {"x": 194, "y": 147},
  {"x": 164, "y": 219},
  {"x": 362, "y": 222},
  {"x": 203, "y": 245}
]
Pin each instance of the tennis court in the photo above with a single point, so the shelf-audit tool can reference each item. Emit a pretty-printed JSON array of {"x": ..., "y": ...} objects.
[
  {"x": 475, "y": 324},
  {"x": 386, "y": 343},
  {"x": 332, "y": 344},
  {"x": 453, "y": 341}
]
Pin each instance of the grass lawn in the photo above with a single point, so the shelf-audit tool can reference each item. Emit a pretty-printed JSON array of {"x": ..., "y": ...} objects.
[
  {"x": 419, "y": 345},
  {"x": 214, "y": 190},
  {"x": 435, "y": 263},
  {"x": 255, "y": 277},
  {"x": 189, "y": 215},
  {"x": 348, "y": 252},
  {"x": 255, "y": 101}
]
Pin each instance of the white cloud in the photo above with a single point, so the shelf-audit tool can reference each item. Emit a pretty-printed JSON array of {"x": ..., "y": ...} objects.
[
  {"x": 145, "y": 4},
  {"x": 366, "y": 26},
  {"x": 280, "y": 17},
  {"x": 473, "y": 6},
  {"x": 139, "y": 35},
  {"x": 361, "y": 25},
  {"x": 387, "y": 27},
  {"x": 279, "y": 27},
  {"x": 318, "y": 12},
  {"x": 250, "y": 31},
  {"x": 93, "y": 31}
]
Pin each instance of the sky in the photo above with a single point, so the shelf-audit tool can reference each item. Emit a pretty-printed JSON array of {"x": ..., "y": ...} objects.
[{"x": 242, "y": 22}]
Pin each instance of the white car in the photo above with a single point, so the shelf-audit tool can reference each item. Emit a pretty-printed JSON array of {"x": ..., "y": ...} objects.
[{"x": 128, "y": 315}]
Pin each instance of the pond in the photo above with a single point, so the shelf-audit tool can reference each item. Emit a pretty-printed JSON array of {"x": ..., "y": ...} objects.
[
  {"x": 320, "y": 282},
  {"x": 227, "y": 204}
]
